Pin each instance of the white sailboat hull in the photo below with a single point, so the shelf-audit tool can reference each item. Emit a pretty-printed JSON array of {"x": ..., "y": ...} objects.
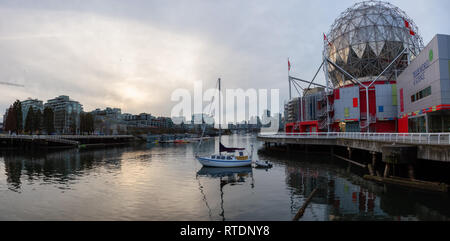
[{"x": 209, "y": 162}]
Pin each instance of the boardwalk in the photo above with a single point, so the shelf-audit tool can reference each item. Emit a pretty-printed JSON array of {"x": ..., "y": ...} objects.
[
  {"x": 54, "y": 139},
  {"x": 399, "y": 138},
  {"x": 61, "y": 140},
  {"x": 430, "y": 146}
]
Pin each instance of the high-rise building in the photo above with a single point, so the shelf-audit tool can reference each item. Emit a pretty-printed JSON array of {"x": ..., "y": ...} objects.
[
  {"x": 26, "y": 104},
  {"x": 5, "y": 116},
  {"x": 66, "y": 114},
  {"x": 292, "y": 110}
]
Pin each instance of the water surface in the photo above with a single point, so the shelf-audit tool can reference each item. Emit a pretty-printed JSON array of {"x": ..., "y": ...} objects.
[{"x": 165, "y": 182}]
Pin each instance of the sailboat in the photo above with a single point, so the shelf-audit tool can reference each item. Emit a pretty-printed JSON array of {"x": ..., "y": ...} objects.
[{"x": 227, "y": 157}]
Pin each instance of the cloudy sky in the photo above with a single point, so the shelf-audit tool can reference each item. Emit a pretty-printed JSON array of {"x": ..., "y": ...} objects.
[{"x": 133, "y": 54}]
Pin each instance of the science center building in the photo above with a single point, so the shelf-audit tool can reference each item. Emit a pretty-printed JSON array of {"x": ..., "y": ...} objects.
[
  {"x": 380, "y": 77},
  {"x": 424, "y": 90}
]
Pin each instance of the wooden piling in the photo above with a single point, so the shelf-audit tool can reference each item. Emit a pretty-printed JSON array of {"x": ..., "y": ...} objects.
[
  {"x": 430, "y": 186},
  {"x": 374, "y": 159},
  {"x": 370, "y": 170},
  {"x": 387, "y": 169},
  {"x": 305, "y": 204},
  {"x": 353, "y": 162},
  {"x": 411, "y": 172}
]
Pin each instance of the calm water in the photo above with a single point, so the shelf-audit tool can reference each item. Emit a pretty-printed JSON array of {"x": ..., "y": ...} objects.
[{"x": 166, "y": 183}]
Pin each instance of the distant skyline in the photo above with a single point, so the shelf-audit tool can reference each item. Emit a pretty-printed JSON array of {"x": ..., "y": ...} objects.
[{"x": 133, "y": 54}]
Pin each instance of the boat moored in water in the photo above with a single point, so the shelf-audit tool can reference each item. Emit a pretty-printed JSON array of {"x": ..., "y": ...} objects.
[
  {"x": 237, "y": 159},
  {"x": 227, "y": 157},
  {"x": 263, "y": 164}
]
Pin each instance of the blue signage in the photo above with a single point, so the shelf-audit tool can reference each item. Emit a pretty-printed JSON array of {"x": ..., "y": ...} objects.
[{"x": 419, "y": 74}]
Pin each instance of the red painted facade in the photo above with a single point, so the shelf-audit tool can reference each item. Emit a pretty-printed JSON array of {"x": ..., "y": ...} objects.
[
  {"x": 403, "y": 125},
  {"x": 380, "y": 125}
]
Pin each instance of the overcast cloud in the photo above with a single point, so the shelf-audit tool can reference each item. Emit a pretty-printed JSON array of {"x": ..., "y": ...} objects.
[{"x": 133, "y": 54}]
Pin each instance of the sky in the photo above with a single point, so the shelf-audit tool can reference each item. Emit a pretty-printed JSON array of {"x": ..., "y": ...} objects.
[{"x": 134, "y": 54}]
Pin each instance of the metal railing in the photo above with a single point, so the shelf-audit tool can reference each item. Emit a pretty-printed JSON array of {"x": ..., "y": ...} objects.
[
  {"x": 40, "y": 137},
  {"x": 62, "y": 136},
  {"x": 407, "y": 138}
]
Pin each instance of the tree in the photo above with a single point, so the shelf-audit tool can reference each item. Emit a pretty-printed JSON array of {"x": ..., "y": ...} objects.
[
  {"x": 89, "y": 122},
  {"x": 86, "y": 123},
  {"x": 29, "y": 120},
  {"x": 48, "y": 120},
  {"x": 73, "y": 128},
  {"x": 10, "y": 122},
  {"x": 37, "y": 121},
  {"x": 82, "y": 123},
  {"x": 19, "y": 121}
]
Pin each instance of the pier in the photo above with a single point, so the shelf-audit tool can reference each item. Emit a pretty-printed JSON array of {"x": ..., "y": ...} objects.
[
  {"x": 435, "y": 146},
  {"x": 59, "y": 141},
  {"x": 399, "y": 152}
]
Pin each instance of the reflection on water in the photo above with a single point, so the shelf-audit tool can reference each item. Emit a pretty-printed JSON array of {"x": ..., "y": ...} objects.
[
  {"x": 226, "y": 176},
  {"x": 165, "y": 182}
]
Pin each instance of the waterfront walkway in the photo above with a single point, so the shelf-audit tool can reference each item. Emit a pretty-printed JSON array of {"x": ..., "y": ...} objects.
[
  {"x": 48, "y": 138},
  {"x": 62, "y": 140},
  {"x": 430, "y": 146},
  {"x": 403, "y": 138}
]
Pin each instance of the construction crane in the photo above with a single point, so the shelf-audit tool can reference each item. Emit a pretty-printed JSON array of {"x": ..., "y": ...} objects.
[{"x": 11, "y": 84}]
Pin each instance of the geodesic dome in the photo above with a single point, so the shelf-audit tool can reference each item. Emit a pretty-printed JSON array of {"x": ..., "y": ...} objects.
[{"x": 366, "y": 38}]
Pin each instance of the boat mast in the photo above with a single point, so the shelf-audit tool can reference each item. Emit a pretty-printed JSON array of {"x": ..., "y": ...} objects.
[{"x": 220, "y": 118}]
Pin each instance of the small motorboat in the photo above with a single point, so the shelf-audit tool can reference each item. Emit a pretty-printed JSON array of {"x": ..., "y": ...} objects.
[{"x": 263, "y": 164}]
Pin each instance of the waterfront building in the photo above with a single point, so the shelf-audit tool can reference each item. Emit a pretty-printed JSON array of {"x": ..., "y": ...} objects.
[
  {"x": 293, "y": 110},
  {"x": 109, "y": 121},
  {"x": 292, "y": 115},
  {"x": 162, "y": 122},
  {"x": 308, "y": 113},
  {"x": 111, "y": 113},
  {"x": 26, "y": 104},
  {"x": 142, "y": 120},
  {"x": 66, "y": 114},
  {"x": 145, "y": 120},
  {"x": 367, "y": 53},
  {"x": 5, "y": 116},
  {"x": 424, "y": 90},
  {"x": 126, "y": 117},
  {"x": 366, "y": 50}
]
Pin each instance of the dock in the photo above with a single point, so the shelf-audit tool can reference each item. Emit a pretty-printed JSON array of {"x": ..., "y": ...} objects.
[
  {"x": 433, "y": 146},
  {"x": 58, "y": 141},
  {"x": 399, "y": 152}
]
